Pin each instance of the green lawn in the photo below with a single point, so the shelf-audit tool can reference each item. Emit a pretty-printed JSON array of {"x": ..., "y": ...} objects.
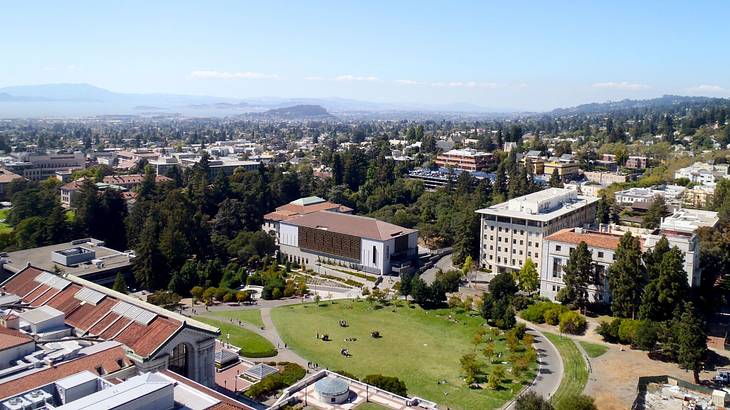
[
  {"x": 370, "y": 406},
  {"x": 593, "y": 350},
  {"x": 251, "y": 316},
  {"x": 419, "y": 347},
  {"x": 575, "y": 374},
  {"x": 251, "y": 344},
  {"x": 4, "y": 227}
]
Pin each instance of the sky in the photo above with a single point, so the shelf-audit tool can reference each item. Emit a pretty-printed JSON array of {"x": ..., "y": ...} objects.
[{"x": 523, "y": 55}]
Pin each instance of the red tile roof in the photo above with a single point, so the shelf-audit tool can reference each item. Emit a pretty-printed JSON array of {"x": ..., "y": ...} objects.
[
  {"x": 11, "y": 338},
  {"x": 108, "y": 359},
  {"x": 290, "y": 210},
  {"x": 132, "y": 179},
  {"x": 359, "y": 226},
  {"x": 143, "y": 339},
  {"x": 591, "y": 238}
]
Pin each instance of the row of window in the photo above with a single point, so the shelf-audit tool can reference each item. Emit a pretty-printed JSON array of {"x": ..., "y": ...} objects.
[{"x": 600, "y": 254}]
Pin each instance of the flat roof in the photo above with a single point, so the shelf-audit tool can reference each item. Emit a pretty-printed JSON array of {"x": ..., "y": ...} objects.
[
  {"x": 549, "y": 203},
  {"x": 41, "y": 258}
]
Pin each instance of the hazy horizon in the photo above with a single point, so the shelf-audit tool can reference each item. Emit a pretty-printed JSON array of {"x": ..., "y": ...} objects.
[{"x": 527, "y": 57}]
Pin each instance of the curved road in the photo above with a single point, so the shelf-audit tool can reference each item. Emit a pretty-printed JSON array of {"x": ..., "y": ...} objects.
[{"x": 550, "y": 367}]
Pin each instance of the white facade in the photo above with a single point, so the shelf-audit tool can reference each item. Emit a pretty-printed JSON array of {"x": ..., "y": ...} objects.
[{"x": 513, "y": 231}]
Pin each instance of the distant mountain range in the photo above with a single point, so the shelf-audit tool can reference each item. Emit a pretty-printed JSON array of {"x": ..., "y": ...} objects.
[
  {"x": 665, "y": 101},
  {"x": 81, "y": 100},
  {"x": 48, "y": 100}
]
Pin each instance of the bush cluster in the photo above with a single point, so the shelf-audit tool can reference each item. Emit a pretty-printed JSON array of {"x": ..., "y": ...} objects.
[
  {"x": 290, "y": 374},
  {"x": 640, "y": 334}
]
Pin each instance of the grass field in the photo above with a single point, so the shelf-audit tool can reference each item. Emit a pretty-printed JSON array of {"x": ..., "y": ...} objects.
[
  {"x": 419, "y": 347},
  {"x": 575, "y": 374},
  {"x": 251, "y": 344},
  {"x": 251, "y": 316},
  {"x": 593, "y": 350},
  {"x": 370, "y": 406},
  {"x": 4, "y": 227}
]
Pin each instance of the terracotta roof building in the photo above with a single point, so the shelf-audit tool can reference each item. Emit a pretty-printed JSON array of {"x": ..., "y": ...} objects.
[
  {"x": 356, "y": 241},
  {"x": 131, "y": 181},
  {"x": 301, "y": 206},
  {"x": 155, "y": 338}
]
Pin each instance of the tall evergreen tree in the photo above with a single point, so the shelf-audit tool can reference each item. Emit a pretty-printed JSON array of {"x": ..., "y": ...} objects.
[
  {"x": 120, "y": 285},
  {"x": 555, "y": 180},
  {"x": 692, "y": 341},
  {"x": 657, "y": 210},
  {"x": 626, "y": 277},
  {"x": 149, "y": 266},
  {"x": 578, "y": 274},
  {"x": 653, "y": 258},
  {"x": 668, "y": 290}
]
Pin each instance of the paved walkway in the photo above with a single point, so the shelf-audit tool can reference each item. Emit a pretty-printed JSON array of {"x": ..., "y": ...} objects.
[
  {"x": 269, "y": 332},
  {"x": 550, "y": 366},
  {"x": 445, "y": 264}
]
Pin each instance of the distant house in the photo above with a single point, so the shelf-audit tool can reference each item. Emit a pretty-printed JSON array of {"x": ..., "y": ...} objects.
[{"x": 131, "y": 181}]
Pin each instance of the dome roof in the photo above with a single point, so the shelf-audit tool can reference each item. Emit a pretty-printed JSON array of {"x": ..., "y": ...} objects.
[{"x": 331, "y": 386}]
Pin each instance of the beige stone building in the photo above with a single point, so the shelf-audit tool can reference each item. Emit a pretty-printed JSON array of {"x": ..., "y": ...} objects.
[{"x": 514, "y": 230}]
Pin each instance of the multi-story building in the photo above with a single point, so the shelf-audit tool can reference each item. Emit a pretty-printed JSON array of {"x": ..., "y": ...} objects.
[
  {"x": 556, "y": 252},
  {"x": 670, "y": 193},
  {"x": 514, "y": 230},
  {"x": 605, "y": 178},
  {"x": 465, "y": 159},
  {"x": 70, "y": 309},
  {"x": 566, "y": 169},
  {"x": 131, "y": 181},
  {"x": 301, "y": 206},
  {"x": 702, "y": 173},
  {"x": 357, "y": 242},
  {"x": 679, "y": 229},
  {"x": 698, "y": 196},
  {"x": 38, "y": 167},
  {"x": 435, "y": 179},
  {"x": 637, "y": 162}
]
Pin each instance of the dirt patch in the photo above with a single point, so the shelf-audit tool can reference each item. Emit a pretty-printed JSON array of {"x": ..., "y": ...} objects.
[{"x": 615, "y": 374}]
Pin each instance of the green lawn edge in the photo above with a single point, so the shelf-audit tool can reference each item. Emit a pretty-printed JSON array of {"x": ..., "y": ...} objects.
[
  {"x": 251, "y": 344},
  {"x": 593, "y": 350},
  {"x": 575, "y": 373}
]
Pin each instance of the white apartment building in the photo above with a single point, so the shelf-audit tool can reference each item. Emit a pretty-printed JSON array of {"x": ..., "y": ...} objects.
[
  {"x": 556, "y": 253},
  {"x": 679, "y": 229},
  {"x": 702, "y": 173},
  {"x": 670, "y": 193},
  {"x": 514, "y": 230}
]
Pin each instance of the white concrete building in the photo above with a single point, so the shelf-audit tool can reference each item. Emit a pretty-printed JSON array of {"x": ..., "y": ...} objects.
[
  {"x": 670, "y": 193},
  {"x": 703, "y": 173},
  {"x": 38, "y": 167},
  {"x": 513, "y": 231},
  {"x": 357, "y": 242}
]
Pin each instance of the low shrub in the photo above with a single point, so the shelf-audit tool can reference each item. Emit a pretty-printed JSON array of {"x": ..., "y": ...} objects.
[
  {"x": 572, "y": 322},
  {"x": 627, "y": 330},
  {"x": 290, "y": 374},
  {"x": 536, "y": 313},
  {"x": 388, "y": 383}
]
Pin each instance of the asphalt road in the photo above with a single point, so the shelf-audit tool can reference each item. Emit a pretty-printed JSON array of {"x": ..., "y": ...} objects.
[{"x": 550, "y": 370}]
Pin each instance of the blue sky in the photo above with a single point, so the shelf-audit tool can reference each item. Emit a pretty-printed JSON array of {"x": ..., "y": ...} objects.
[{"x": 514, "y": 54}]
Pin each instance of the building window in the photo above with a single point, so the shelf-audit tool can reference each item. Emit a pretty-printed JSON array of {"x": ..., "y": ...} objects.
[
  {"x": 522, "y": 232},
  {"x": 375, "y": 255},
  {"x": 557, "y": 267},
  {"x": 514, "y": 241},
  {"x": 557, "y": 248},
  {"x": 522, "y": 242},
  {"x": 529, "y": 253},
  {"x": 491, "y": 247},
  {"x": 513, "y": 261},
  {"x": 491, "y": 237},
  {"x": 600, "y": 254}
]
